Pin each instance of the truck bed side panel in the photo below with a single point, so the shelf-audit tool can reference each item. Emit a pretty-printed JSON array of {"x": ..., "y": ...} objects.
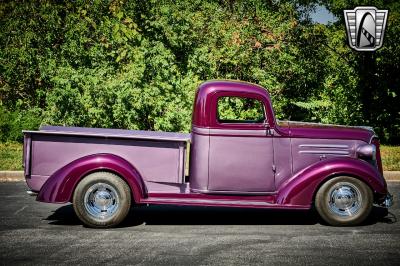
[{"x": 156, "y": 161}]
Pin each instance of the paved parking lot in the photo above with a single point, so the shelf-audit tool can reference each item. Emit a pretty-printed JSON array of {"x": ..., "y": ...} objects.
[{"x": 38, "y": 233}]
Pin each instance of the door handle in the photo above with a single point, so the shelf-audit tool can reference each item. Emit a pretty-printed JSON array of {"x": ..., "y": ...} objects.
[{"x": 268, "y": 129}]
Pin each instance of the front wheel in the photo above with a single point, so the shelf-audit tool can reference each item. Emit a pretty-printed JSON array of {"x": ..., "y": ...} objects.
[
  {"x": 344, "y": 201},
  {"x": 102, "y": 200}
]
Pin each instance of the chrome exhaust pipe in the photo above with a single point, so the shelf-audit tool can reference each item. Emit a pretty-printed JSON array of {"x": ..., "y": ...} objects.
[{"x": 31, "y": 193}]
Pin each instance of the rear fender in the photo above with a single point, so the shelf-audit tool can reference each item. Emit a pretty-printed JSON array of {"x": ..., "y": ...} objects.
[
  {"x": 60, "y": 186},
  {"x": 301, "y": 188}
]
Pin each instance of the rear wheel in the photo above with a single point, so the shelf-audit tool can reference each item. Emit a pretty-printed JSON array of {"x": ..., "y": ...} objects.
[
  {"x": 102, "y": 200},
  {"x": 344, "y": 201}
]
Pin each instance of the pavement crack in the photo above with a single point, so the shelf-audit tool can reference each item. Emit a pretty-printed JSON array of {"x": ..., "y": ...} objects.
[{"x": 20, "y": 210}]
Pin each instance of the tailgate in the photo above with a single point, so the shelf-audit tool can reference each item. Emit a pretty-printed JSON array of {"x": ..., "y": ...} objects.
[{"x": 26, "y": 154}]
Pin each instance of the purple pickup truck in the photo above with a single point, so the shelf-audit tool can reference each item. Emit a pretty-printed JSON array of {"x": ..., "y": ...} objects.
[{"x": 237, "y": 155}]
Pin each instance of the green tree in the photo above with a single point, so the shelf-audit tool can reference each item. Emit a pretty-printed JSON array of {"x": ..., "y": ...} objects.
[{"x": 136, "y": 64}]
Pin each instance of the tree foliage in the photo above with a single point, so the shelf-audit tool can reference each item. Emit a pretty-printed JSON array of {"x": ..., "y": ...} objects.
[{"x": 136, "y": 64}]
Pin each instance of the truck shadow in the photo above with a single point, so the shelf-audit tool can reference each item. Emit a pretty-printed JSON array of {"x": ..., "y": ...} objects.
[{"x": 174, "y": 215}]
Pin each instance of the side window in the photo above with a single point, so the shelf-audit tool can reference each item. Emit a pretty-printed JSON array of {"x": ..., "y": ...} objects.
[{"x": 240, "y": 110}]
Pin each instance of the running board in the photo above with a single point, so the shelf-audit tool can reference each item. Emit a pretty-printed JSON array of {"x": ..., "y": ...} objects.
[{"x": 218, "y": 203}]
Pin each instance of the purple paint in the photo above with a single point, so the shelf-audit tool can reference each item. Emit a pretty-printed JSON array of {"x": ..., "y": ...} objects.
[
  {"x": 59, "y": 187},
  {"x": 271, "y": 164}
]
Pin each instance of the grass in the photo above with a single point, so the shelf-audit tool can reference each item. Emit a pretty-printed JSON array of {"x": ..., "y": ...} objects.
[
  {"x": 390, "y": 158},
  {"x": 11, "y": 157}
]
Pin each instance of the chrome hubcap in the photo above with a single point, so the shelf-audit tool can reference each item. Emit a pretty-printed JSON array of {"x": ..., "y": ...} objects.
[
  {"x": 101, "y": 201},
  {"x": 345, "y": 199}
]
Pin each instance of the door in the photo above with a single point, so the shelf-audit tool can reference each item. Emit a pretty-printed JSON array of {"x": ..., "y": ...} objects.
[{"x": 241, "y": 146}]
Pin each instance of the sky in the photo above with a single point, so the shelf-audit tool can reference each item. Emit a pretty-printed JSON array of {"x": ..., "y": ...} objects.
[{"x": 322, "y": 15}]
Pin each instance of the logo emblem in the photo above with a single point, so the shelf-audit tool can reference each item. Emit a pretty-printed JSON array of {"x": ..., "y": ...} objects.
[{"x": 365, "y": 27}]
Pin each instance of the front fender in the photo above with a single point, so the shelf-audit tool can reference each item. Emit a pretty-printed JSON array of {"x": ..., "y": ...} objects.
[
  {"x": 301, "y": 188},
  {"x": 60, "y": 186}
]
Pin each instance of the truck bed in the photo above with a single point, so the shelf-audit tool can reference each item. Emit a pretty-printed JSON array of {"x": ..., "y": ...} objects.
[
  {"x": 117, "y": 133},
  {"x": 160, "y": 157}
]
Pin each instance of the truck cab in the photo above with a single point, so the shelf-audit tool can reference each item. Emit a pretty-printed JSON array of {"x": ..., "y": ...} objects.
[{"x": 227, "y": 145}]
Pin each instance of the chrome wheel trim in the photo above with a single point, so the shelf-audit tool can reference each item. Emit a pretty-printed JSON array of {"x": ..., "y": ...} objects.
[
  {"x": 345, "y": 199},
  {"x": 101, "y": 201}
]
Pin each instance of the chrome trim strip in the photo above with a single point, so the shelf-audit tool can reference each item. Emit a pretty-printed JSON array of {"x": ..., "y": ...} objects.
[
  {"x": 333, "y": 146},
  {"x": 325, "y": 152},
  {"x": 229, "y": 192}
]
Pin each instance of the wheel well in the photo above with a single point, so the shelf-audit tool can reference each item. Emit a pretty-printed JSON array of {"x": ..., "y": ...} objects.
[
  {"x": 333, "y": 176},
  {"x": 102, "y": 170}
]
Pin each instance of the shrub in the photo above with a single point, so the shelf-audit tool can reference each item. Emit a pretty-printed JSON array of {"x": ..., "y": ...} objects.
[{"x": 13, "y": 122}]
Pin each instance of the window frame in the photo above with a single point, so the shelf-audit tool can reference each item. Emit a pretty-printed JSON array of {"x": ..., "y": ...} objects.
[
  {"x": 227, "y": 121},
  {"x": 215, "y": 123}
]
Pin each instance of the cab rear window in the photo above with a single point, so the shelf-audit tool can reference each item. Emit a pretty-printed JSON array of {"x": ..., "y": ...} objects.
[{"x": 240, "y": 110}]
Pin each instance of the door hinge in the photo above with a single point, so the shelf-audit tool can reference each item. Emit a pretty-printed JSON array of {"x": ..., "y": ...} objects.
[{"x": 274, "y": 168}]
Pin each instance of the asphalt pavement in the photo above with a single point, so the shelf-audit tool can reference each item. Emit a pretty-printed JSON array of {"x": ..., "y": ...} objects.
[{"x": 39, "y": 233}]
